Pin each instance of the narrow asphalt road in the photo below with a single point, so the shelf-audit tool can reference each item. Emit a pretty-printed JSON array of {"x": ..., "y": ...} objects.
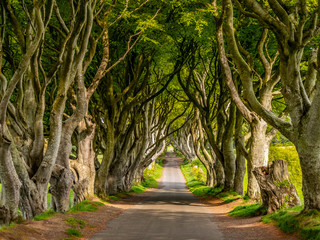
[{"x": 172, "y": 212}]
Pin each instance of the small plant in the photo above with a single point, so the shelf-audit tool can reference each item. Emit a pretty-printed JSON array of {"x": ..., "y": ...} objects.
[
  {"x": 86, "y": 206},
  {"x": 5, "y": 227},
  {"x": 138, "y": 189},
  {"x": 228, "y": 197},
  {"x": 45, "y": 215},
  {"x": 76, "y": 222},
  {"x": 72, "y": 232},
  {"x": 249, "y": 210}
]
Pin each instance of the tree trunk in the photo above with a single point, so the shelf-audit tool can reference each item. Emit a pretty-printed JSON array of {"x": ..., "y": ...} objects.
[
  {"x": 210, "y": 177},
  {"x": 309, "y": 155},
  {"x": 9, "y": 198},
  {"x": 258, "y": 155},
  {"x": 83, "y": 167},
  {"x": 61, "y": 181},
  {"x": 62, "y": 177},
  {"x": 240, "y": 159},
  {"x": 277, "y": 191},
  {"x": 227, "y": 150},
  {"x": 220, "y": 178},
  {"x": 102, "y": 173},
  {"x": 30, "y": 203}
]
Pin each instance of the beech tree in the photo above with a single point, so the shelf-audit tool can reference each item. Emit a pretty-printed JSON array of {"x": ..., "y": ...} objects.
[{"x": 293, "y": 27}]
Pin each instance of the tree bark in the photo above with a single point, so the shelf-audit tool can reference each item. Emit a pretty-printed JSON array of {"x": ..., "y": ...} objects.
[
  {"x": 240, "y": 158},
  {"x": 9, "y": 198},
  {"x": 83, "y": 167},
  {"x": 227, "y": 150},
  {"x": 277, "y": 191},
  {"x": 258, "y": 155}
]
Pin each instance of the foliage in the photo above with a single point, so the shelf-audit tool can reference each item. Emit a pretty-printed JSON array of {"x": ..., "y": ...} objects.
[
  {"x": 249, "y": 210},
  {"x": 72, "y": 232},
  {"x": 155, "y": 171},
  {"x": 5, "y": 227},
  {"x": 199, "y": 188},
  {"x": 45, "y": 215},
  {"x": 76, "y": 222},
  {"x": 86, "y": 206},
  {"x": 196, "y": 171},
  {"x": 306, "y": 223},
  {"x": 150, "y": 176},
  {"x": 229, "y": 196}
]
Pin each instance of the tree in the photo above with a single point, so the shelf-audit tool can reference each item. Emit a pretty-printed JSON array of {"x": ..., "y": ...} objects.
[{"x": 292, "y": 32}]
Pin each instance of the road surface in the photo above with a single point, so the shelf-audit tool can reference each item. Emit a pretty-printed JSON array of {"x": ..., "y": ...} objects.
[{"x": 171, "y": 213}]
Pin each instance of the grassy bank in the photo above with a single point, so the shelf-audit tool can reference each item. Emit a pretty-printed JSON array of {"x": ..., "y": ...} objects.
[
  {"x": 195, "y": 175},
  {"x": 306, "y": 224},
  {"x": 150, "y": 175},
  {"x": 294, "y": 220}
]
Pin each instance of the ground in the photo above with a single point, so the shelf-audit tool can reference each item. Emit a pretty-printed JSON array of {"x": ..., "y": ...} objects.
[{"x": 230, "y": 227}]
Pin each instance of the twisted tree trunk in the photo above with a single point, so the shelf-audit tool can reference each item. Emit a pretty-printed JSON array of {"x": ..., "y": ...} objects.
[{"x": 277, "y": 191}]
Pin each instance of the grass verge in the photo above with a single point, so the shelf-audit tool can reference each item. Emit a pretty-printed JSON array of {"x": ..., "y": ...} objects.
[
  {"x": 195, "y": 175},
  {"x": 47, "y": 214},
  {"x": 72, "y": 232},
  {"x": 5, "y": 227},
  {"x": 74, "y": 222},
  {"x": 305, "y": 223},
  {"x": 76, "y": 225},
  {"x": 151, "y": 174},
  {"x": 85, "y": 206},
  {"x": 249, "y": 210}
]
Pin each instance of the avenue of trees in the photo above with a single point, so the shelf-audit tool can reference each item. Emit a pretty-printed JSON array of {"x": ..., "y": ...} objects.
[{"x": 122, "y": 79}]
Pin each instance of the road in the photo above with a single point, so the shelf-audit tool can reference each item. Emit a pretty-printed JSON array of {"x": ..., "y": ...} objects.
[{"x": 171, "y": 213}]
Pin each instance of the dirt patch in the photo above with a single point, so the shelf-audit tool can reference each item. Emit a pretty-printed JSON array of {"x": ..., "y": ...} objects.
[{"x": 55, "y": 227}]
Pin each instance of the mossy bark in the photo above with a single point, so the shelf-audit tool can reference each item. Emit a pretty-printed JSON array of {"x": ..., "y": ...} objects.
[{"x": 277, "y": 191}]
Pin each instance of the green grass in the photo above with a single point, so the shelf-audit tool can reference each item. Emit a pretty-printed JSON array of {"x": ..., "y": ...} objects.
[
  {"x": 72, "y": 232},
  {"x": 74, "y": 222},
  {"x": 307, "y": 223},
  {"x": 195, "y": 176},
  {"x": 47, "y": 214},
  {"x": 138, "y": 188},
  {"x": 150, "y": 178},
  {"x": 228, "y": 197},
  {"x": 249, "y": 210},
  {"x": 5, "y": 227},
  {"x": 85, "y": 206}
]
